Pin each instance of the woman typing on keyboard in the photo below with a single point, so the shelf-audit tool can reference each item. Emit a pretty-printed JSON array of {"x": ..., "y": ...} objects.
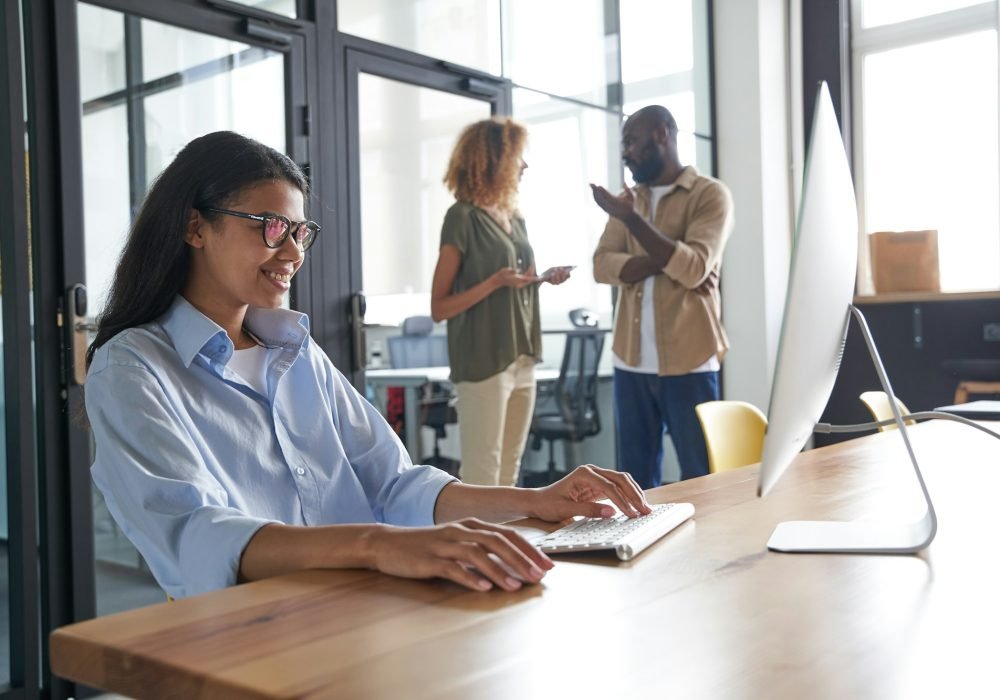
[{"x": 228, "y": 446}]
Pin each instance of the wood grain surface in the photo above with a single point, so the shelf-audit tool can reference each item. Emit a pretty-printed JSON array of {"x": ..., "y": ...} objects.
[{"x": 706, "y": 612}]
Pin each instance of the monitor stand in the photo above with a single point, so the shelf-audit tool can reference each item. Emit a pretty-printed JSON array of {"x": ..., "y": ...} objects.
[{"x": 863, "y": 537}]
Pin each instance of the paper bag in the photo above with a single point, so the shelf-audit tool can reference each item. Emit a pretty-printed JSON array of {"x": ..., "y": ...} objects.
[{"x": 905, "y": 261}]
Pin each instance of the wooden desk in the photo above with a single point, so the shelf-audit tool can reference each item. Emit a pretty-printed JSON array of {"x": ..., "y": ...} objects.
[{"x": 707, "y": 612}]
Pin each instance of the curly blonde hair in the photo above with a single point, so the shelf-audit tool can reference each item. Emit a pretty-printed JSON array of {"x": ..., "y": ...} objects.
[{"x": 485, "y": 165}]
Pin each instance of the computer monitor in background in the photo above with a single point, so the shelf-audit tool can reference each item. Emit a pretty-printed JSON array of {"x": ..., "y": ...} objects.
[{"x": 818, "y": 308}]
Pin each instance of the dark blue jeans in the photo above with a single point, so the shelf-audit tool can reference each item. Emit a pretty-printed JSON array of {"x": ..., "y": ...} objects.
[{"x": 646, "y": 407}]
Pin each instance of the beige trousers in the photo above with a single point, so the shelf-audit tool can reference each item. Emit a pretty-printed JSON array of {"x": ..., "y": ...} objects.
[{"x": 494, "y": 416}]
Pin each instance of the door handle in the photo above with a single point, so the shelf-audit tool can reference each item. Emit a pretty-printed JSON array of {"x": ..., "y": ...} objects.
[
  {"x": 80, "y": 328},
  {"x": 360, "y": 345}
]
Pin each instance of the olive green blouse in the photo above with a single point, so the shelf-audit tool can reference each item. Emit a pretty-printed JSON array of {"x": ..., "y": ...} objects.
[{"x": 484, "y": 339}]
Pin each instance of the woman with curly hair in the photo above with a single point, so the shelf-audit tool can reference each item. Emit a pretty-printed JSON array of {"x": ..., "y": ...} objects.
[{"x": 486, "y": 286}]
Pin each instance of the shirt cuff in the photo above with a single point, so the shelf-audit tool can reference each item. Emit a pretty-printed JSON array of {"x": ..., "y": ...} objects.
[
  {"x": 210, "y": 549},
  {"x": 610, "y": 267},
  {"x": 685, "y": 267},
  {"x": 415, "y": 496}
]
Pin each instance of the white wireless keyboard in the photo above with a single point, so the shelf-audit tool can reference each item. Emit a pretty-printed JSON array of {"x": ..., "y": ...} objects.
[{"x": 626, "y": 536}]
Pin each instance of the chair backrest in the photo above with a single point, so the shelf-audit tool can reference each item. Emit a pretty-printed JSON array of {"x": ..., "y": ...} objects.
[
  {"x": 878, "y": 404},
  {"x": 583, "y": 318},
  {"x": 734, "y": 433},
  {"x": 417, "y": 325},
  {"x": 576, "y": 388},
  {"x": 416, "y": 347}
]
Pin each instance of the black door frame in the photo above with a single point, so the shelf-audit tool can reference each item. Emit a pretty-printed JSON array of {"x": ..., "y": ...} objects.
[
  {"x": 363, "y": 56},
  {"x": 67, "y": 582},
  {"x": 22, "y": 499}
]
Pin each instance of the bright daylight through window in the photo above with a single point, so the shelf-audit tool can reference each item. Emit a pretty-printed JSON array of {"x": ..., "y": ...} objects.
[
  {"x": 926, "y": 152},
  {"x": 571, "y": 100}
]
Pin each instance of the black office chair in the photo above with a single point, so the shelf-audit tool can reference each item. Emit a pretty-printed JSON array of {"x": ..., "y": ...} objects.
[
  {"x": 574, "y": 397},
  {"x": 416, "y": 347}
]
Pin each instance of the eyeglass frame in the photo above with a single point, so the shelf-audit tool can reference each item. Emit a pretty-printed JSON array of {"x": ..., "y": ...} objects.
[{"x": 262, "y": 218}]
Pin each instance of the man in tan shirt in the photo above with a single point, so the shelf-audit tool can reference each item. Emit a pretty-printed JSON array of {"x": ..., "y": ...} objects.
[{"x": 662, "y": 247}]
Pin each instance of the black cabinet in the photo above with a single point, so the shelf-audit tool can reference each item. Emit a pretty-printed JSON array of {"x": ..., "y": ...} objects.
[{"x": 914, "y": 339}]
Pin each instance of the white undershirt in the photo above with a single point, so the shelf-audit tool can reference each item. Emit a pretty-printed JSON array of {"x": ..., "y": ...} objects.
[
  {"x": 251, "y": 365},
  {"x": 649, "y": 357}
]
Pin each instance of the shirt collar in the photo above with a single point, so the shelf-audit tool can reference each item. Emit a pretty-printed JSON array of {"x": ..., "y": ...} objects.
[
  {"x": 192, "y": 332},
  {"x": 278, "y": 327},
  {"x": 687, "y": 179}
]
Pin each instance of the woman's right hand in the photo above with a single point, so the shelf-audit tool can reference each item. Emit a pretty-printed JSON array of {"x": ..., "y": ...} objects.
[
  {"x": 510, "y": 277},
  {"x": 470, "y": 552},
  {"x": 446, "y": 303}
]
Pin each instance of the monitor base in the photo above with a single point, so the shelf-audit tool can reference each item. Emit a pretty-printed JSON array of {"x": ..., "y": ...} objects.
[
  {"x": 857, "y": 537},
  {"x": 863, "y": 537}
]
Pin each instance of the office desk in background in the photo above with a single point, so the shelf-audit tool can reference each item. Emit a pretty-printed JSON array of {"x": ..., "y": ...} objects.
[
  {"x": 412, "y": 381},
  {"x": 974, "y": 410},
  {"x": 706, "y": 612}
]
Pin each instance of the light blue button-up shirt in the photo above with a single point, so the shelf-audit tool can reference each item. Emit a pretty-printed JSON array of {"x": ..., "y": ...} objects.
[{"x": 192, "y": 461}]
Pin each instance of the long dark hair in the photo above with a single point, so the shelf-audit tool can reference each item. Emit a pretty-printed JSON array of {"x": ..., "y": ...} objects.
[{"x": 210, "y": 171}]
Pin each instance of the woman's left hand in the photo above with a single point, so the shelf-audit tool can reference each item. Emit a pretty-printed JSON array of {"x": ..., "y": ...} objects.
[
  {"x": 556, "y": 275},
  {"x": 577, "y": 493}
]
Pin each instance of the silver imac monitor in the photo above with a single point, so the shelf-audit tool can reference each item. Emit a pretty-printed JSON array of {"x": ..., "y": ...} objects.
[{"x": 818, "y": 307}]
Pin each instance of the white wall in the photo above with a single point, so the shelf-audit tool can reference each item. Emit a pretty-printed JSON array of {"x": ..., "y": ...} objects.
[{"x": 754, "y": 127}]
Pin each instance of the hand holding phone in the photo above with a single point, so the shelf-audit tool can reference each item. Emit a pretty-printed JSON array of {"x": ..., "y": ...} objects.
[{"x": 557, "y": 274}]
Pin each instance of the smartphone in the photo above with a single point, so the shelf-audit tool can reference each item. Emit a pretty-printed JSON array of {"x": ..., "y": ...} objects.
[{"x": 548, "y": 273}]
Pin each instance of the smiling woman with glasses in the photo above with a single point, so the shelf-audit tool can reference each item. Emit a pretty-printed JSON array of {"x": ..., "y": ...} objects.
[{"x": 228, "y": 446}]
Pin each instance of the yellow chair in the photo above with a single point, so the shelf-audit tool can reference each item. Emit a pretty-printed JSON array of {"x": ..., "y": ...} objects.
[
  {"x": 734, "y": 433},
  {"x": 878, "y": 403}
]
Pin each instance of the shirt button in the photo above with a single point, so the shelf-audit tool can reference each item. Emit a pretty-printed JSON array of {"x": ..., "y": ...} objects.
[
  {"x": 635, "y": 321},
  {"x": 300, "y": 471}
]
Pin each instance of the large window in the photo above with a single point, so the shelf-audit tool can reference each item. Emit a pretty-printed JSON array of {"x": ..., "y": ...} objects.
[
  {"x": 571, "y": 145},
  {"x": 574, "y": 78},
  {"x": 406, "y": 136},
  {"x": 547, "y": 50},
  {"x": 926, "y": 155},
  {"x": 665, "y": 60},
  {"x": 458, "y": 31},
  {"x": 657, "y": 54}
]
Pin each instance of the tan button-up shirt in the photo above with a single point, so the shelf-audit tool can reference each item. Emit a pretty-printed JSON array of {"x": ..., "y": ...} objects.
[{"x": 698, "y": 216}]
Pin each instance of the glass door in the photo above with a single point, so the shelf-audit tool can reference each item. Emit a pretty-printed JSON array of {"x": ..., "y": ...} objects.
[
  {"x": 403, "y": 122},
  {"x": 116, "y": 89},
  {"x": 406, "y": 133},
  {"x": 146, "y": 89}
]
